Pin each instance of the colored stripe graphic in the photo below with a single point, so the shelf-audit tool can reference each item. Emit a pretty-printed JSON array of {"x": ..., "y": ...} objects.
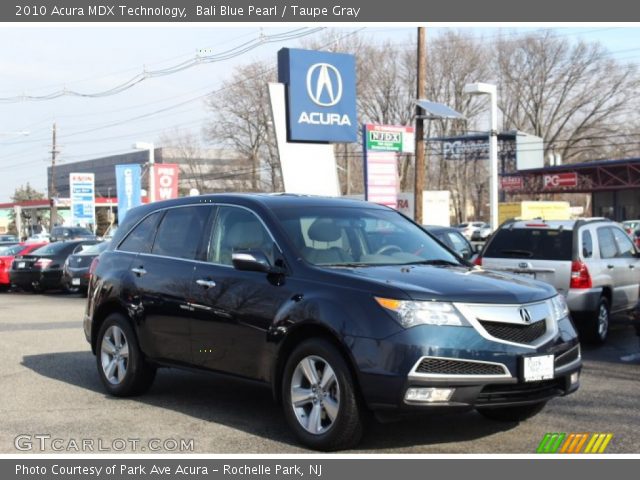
[{"x": 574, "y": 443}]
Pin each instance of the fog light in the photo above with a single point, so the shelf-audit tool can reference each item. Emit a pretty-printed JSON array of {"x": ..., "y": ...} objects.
[
  {"x": 428, "y": 395},
  {"x": 574, "y": 378}
]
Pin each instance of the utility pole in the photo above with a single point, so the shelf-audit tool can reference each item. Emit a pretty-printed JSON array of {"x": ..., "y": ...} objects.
[
  {"x": 53, "y": 216},
  {"x": 420, "y": 169}
]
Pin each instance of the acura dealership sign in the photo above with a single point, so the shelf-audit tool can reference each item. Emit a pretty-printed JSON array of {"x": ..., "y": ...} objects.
[{"x": 321, "y": 95}]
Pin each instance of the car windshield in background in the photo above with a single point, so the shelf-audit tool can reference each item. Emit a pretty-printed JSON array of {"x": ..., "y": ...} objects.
[
  {"x": 360, "y": 237},
  {"x": 530, "y": 243},
  {"x": 95, "y": 249},
  {"x": 50, "y": 249},
  {"x": 11, "y": 251}
]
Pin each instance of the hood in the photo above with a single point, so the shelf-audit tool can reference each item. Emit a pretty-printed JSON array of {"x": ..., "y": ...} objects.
[{"x": 455, "y": 284}]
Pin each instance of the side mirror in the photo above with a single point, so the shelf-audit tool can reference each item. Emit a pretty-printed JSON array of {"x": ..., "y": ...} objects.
[{"x": 251, "y": 261}]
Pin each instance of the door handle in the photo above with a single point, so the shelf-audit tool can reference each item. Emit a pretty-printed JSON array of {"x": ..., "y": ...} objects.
[
  {"x": 609, "y": 266},
  {"x": 206, "y": 283},
  {"x": 140, "y": 271},
  {"x": 632, "y": 267}
]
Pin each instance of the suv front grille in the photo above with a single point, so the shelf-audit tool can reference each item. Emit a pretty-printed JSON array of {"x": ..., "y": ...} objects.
[
  {"x": 521, "y": 392},
  {"x": 514, "y": 332},
  {"x": 443, "y": 366}
]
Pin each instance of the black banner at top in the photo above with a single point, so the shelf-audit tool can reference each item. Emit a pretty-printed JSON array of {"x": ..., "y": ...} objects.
[{"x": 348, "y": 11}]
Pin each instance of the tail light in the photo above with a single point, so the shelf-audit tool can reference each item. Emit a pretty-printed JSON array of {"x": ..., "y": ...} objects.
[
  {"x": 580, "y": 277},
  {"x": 478, "y": 261},
  {"x": 43, "y": 263}
]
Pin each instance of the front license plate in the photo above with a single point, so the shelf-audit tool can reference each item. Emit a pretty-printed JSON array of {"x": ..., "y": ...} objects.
[
  {"x": 21, "y": 264},
  {"x": 538, "y": 368},
  {"x": 75, "y": 281}
]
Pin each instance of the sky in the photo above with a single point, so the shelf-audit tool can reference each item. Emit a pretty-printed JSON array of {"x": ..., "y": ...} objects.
[{"x": 38, "y": 61}]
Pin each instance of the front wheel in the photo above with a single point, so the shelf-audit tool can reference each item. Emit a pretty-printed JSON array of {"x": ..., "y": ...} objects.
[
  {"x": 512, "y": 414},
  {"x": 319, "y": 397},
  {"x": 121, "y": 365}
]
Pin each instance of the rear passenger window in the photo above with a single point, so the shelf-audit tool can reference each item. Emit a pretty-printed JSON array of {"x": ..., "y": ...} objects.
[
  {"x": 180, "y": 232},
  {"x": 607, "y": 243},
  {"x": 587, "y": 244},
  {"x": 625, "y": 246},
  {"x": 140, "y": 239}
]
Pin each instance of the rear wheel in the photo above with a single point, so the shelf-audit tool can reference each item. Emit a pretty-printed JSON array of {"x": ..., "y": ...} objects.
[
  {"x": 597, "y": 324},
  {"x": 121, "y": 365},
  {"x": 319, "y": 397},
  {"x": 512, "y": 414}
]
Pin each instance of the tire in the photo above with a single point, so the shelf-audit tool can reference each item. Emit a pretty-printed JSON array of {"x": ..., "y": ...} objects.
[
  {"x": 122, "y": 367},
  {"x": 335, "y": 398},
  {"x": 512, "y": 414},
  {"x": 597, "y": 324}
]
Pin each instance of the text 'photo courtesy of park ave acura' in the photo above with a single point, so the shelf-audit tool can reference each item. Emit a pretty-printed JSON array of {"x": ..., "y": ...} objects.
[{"x": 355, "y": 238}]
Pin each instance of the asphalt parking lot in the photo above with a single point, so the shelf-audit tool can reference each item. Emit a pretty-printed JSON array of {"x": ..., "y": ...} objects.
[{"x": 49, "y": 386}]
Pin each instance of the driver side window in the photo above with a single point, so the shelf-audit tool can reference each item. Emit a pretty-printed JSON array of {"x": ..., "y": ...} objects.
[{"x": 237, "y": 229}]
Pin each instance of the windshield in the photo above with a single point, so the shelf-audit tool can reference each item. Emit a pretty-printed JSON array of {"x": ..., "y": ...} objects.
[
  {"x": 360, "y": 237},
  {"x": 95, "y": 249}
]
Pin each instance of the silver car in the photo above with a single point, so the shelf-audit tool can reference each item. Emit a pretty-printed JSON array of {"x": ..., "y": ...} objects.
[{"x": 592, "y": 262}]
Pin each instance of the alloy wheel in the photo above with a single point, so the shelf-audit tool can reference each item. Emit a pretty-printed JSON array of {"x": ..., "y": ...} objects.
[
  {"x": 315, "y": 395},
  {"x": 114, "y": 355}
]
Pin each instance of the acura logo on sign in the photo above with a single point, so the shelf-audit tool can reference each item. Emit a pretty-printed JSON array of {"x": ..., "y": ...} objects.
[
  {"x": 525, "y": 315},
  {"x": 324, "y": 84}
]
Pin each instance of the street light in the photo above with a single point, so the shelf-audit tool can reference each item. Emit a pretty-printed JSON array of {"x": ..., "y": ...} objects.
[
  {"x": 152, "y": 178},
  {"x": 489, "y": 89}
]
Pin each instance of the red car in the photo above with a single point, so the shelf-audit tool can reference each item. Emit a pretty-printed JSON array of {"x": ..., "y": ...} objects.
[{"x": 7, "y": 254}]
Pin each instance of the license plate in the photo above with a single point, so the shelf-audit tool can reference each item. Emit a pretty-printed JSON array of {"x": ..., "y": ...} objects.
[
  {"x": 75, "y": 281},
  {"x": 526, "y": 274},
  {"x": 21, "y": 264},
  {"x": 538, "y": 368}
]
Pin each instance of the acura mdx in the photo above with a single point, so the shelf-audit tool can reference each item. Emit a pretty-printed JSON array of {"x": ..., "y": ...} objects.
[{"x": 343, "y": 307}]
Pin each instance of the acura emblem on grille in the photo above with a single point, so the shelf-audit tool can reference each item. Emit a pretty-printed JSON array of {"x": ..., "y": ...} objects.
[
  {"x": 525, "y": 315},
  {"x": 523, "y": 265}
]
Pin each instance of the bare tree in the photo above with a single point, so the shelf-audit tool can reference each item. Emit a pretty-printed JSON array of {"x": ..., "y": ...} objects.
[
  {"x": 242, "y": 122},
  {"x": 572, "y": 94}
]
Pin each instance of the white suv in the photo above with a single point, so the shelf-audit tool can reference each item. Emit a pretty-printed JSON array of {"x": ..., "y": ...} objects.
[{"x": 592, "y": 262}]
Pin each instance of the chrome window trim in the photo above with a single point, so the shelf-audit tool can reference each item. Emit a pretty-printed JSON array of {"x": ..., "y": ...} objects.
[
  {"x": 200, "y": 204},
  {"x": 413, "y": 374}
]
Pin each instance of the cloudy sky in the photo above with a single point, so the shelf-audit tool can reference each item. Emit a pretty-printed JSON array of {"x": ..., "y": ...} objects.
[{"x": 40, "y": 61}]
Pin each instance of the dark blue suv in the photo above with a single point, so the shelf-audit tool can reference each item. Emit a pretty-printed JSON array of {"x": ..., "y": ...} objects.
[{"x": 341, "y": 306}]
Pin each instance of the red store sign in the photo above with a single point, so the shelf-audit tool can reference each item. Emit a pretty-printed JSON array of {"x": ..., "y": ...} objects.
[{"x": 557, "y": 180}]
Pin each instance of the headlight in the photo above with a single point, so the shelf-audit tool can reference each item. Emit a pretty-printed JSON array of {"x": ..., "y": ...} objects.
[
  {"x": 559, "y": 307},
  {"x": 409, "y": 314}
]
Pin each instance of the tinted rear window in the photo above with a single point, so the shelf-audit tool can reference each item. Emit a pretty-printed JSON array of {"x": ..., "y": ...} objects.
[{"x": 537, "y": 244}]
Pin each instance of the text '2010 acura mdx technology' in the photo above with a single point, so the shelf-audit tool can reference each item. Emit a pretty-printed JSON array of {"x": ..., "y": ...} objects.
[{"x": 341, "y": 306}]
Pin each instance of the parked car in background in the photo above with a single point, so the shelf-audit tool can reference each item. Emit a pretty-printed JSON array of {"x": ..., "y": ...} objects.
[
  {"x": 8, "y": 240},
  {"x": 467, "y": 229},
  {"x": 39, "y": 238},
  {"x": 630, "y": 226},
  {"x": 75, "y": 272},
  {"x": 7, "y": 255},
  {"x": 61, "y": 234},
  {"x": 482, "y": 233},
  {"x": 636, "y": 238},
  {"x": 453, "y": 239},
  {"x": 340, "y": 306},
  {"x": 592, "y": 262},
  {"x": 42, "y": 269}
]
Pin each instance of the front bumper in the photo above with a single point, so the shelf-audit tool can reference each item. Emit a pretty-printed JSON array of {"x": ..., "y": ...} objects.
[{"x": 388, "y": 368}]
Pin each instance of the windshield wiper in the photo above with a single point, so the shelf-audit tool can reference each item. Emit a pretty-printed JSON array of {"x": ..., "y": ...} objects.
[
  {"x": 435, "y": 261},
  {"x": 351, "y": 264},
  {"x": 526, "y": 253}
]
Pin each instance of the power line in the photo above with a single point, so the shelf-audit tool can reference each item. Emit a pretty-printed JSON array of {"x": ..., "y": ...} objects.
[{"x": 146, "y": 74}]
